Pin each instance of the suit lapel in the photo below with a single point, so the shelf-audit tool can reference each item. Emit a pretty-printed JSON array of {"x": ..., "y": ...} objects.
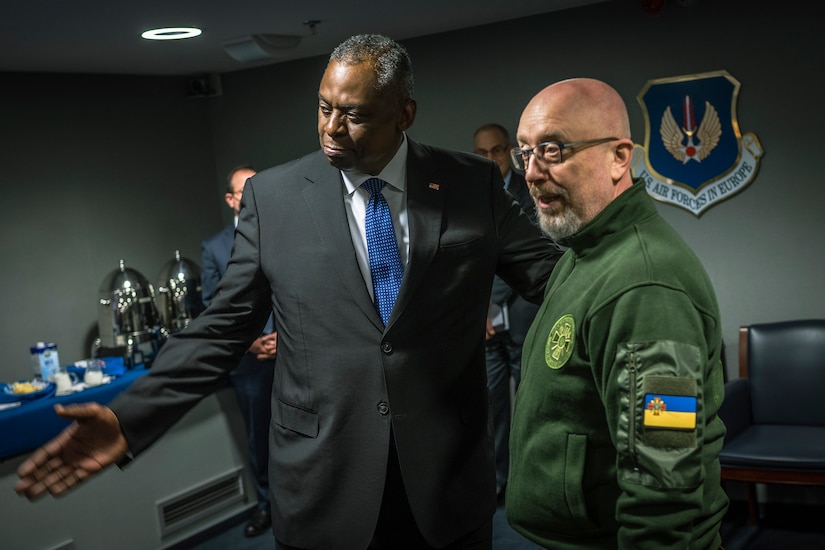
[
  {"x": 323, "y": 195},
  {"x": 324, "y": 198},
  {"x": 424, "y": 210}
]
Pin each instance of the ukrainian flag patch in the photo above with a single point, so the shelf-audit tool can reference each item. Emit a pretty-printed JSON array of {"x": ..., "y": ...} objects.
[{"x": 670, "y": 411}]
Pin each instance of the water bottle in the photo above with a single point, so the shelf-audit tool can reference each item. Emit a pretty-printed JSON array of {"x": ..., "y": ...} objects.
[{"x": 44, "y": 360}]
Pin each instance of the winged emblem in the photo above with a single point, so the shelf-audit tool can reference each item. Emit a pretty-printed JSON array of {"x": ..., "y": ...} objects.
[{"x": 679, "y": 141}]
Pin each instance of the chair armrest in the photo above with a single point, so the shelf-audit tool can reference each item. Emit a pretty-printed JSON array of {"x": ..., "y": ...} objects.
[{"x": 735, "y": 411}]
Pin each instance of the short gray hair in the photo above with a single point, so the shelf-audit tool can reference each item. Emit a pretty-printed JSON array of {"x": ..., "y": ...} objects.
[{"x": 393, "y": 68}]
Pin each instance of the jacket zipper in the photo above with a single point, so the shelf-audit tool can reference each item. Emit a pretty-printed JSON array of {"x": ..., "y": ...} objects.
[{"x": 633, "y": 367}]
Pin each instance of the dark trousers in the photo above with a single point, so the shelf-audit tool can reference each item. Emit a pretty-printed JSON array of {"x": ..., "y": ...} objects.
[
  {"x": 252, "y": 380},
  {"x": 396, "y": 528},
  {"x": 503, "y": 360}
]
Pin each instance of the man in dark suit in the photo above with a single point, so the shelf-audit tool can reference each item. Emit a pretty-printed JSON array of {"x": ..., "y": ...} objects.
[
  {"x": 514, "y": 313},
  {"x": 381, "y": 435},
  {"x": 252, "y": 378}
]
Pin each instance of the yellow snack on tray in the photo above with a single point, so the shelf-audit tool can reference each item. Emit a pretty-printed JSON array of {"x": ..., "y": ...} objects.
[{"x": 23, "y": 387}]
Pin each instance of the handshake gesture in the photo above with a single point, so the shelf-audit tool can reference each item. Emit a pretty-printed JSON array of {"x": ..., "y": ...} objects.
[{"x": 91, "y": 443}]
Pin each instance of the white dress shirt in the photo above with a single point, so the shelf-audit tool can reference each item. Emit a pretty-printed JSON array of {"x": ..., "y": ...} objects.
[{"x": 356, "y": 199}]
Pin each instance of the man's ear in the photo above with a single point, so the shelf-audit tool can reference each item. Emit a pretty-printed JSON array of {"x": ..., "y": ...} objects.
[
  {"x": 622, "y": 157},
  {"x": 407, "y": 116}
]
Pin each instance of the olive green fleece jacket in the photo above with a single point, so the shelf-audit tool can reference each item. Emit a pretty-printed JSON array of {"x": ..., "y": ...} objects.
[{"x": 629, "y": 324}]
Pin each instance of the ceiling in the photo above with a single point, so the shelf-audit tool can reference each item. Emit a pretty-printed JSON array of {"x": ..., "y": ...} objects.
[{"x": 103, "y": 36}]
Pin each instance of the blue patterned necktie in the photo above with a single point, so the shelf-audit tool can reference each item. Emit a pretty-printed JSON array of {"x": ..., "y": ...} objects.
[{"x": 382, "y": 247}]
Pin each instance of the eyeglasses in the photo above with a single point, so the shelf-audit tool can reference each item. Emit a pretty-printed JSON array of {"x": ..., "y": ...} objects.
[{"x": 550, "y": 151}]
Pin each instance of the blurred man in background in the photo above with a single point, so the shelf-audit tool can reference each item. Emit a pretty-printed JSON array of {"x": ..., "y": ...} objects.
[{"x": 252, "y": 378}]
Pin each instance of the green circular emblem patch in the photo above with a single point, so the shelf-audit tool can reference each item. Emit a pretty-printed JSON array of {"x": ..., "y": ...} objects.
[{"x": 559, "y": 345}]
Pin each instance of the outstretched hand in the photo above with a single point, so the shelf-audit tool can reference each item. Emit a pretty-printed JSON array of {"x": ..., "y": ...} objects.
[{"x": 91, "y": 443}]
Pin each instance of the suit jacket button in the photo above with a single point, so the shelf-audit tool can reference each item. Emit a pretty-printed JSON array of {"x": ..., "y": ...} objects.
[
  {"x": 383, "y": 408},
  {"x": 386, "y": 347}
]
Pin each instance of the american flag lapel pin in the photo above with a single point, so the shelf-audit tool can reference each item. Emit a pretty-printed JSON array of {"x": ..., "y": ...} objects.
[{"x": 434, "y": 186}]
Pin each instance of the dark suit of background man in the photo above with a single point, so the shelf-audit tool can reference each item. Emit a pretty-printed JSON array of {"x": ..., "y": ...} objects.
[
  {"x": 503, "y": 346},
  {"x": 252, "y": 379},
  {"x": 381, "y": 435}
]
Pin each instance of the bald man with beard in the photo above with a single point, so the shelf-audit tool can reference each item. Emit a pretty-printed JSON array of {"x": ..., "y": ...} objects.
[{"x": 615, "y": 437}]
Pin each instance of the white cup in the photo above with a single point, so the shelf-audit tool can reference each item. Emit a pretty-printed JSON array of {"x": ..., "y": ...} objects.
[
  {"x": 94, "y": 373},
  {"x": 64, "y": 381}
]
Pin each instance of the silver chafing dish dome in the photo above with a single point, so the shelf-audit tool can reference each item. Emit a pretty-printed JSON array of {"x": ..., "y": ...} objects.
[
  {"x": 127, "y": 312},
  {"x": 178, "y": 293}
]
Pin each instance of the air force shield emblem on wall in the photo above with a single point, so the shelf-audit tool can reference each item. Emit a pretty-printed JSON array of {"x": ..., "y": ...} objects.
[{"x": 694, "y": 155}]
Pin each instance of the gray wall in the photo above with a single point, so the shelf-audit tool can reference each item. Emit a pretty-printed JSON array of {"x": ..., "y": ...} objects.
[{"x": 95, "y": 169}]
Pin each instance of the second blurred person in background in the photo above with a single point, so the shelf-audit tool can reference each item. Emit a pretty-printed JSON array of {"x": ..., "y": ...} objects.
[{"x": 504, "y": 342}]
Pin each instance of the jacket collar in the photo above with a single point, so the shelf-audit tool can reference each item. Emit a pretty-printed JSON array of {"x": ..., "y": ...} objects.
[{"x": 630, "y": 207}]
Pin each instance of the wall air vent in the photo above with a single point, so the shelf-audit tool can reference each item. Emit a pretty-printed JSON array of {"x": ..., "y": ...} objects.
[{"x": 194, "y": 504}]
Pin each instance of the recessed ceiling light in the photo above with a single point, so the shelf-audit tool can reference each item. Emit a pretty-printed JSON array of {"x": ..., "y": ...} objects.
[{"x": 171, "y": 33}]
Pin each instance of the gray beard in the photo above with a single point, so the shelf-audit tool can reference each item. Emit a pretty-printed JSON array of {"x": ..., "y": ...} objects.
[{"x": 560, "y": 226}]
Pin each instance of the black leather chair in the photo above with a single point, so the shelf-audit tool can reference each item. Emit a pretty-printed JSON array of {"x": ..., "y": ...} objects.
[{"x": 775, "y": 411}]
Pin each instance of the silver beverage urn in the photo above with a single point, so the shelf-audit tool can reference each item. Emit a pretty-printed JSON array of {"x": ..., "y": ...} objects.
[
  {"x": 128, "y": 320},
  {"x": 178, "y": 293}
]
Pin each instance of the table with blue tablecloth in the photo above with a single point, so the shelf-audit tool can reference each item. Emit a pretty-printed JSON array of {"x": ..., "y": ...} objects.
[{"x": 33, "y": 423}]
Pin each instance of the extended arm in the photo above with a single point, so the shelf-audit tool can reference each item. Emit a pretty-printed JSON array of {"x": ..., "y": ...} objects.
[{"x": 91, "y": 443}]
